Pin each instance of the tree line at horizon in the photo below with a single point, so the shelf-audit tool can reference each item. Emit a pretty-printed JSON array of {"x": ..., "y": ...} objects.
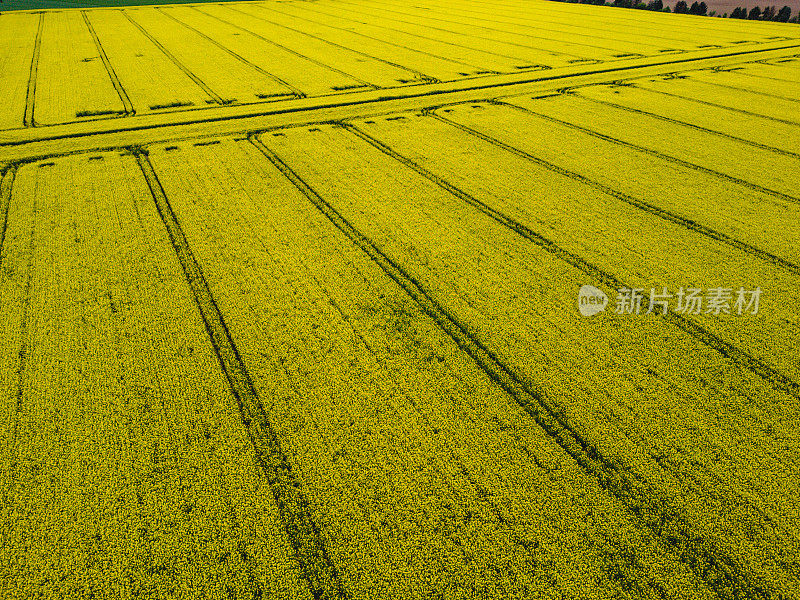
[{"x": 768, "y": 13}]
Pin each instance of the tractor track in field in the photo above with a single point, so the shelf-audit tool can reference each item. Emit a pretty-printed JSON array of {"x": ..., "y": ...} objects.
[
  {"x": 296, "y": 92},
  {"x": 722, "y": 106},
  {"x": 23, "y": 354},
  {"x": 572, "y": 259},
  {"x": 7, "y": 175},
  {"x": 284, "y": 48},
  {"x": 749, "y": 91},
  {"x": 290, "y": 498},
  {"x": 728, "y": 136},
  {"x": 123, "y": 95},
  {"x": 518, "y": 22},
  {"x": 423, "y": 77},
  {"x": 13, "y": 143},
  {"x": 775, "y": 378},
  {"x": 721, "y": 573},
  {"x": 482, "y": 494},
  {"x": 652, "y": 209},
  {"x": 30, "y": 97},
  {"x": 200, "y": 83},
  {"x": 437, "y": 40},
  {"x": 369, "y": 37},
  {"x": 655, "y": 153},
  {"x": 447, "y": 31},
  {"x": 752, "y": 75}
]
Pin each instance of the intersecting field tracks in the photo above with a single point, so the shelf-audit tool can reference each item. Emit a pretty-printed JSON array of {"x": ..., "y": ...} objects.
[
  {"x": 298, "y": 319},
  {"x": 16, "y": 144}
]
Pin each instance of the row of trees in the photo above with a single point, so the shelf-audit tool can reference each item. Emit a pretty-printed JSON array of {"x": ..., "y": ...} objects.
[
  {"x": 770, "y": 13},
  {"x": 683, "y": 8}
]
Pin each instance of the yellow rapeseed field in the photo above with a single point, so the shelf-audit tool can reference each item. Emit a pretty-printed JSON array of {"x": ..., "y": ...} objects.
[
  {"x": 71, "y": 80},
  {"x": 360, "y": 299},
  {"x": 19, "y": 41}
]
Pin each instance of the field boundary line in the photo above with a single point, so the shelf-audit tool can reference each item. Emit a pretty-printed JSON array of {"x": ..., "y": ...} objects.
[
  {"x": 296, "y": 91},
  {"x": 684, "y": 123},
  {"x": 304, "y": 535},
  {"x": 652, "y": 209},
  {"x": 735, "y": 354},
  {"x": 284, "y": 48},
  {"x": 175, "y": 60},
  {"x": 423, "y": 76},
  {"x": 30, "y": 97},
  {"x": 649, "y": 151},
  {"x": 123, "y": 95},
  {"x": 636, "y": 494}
]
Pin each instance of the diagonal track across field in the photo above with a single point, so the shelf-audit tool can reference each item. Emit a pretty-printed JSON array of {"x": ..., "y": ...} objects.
[
  {"x": 220, "y": 120},
  {"x": 301, "y": 529}
]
